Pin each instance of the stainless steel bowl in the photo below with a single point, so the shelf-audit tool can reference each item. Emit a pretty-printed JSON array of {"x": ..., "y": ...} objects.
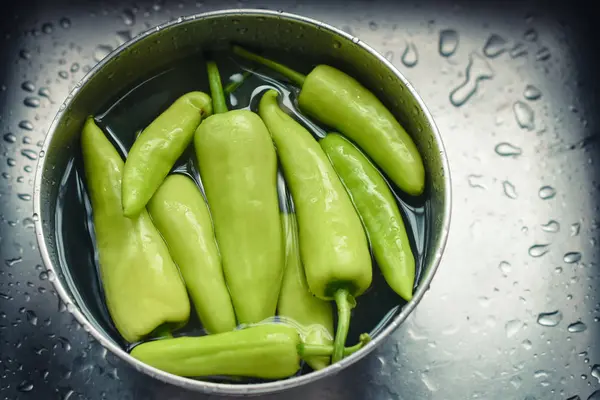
[{"x": 157, "y": 48}]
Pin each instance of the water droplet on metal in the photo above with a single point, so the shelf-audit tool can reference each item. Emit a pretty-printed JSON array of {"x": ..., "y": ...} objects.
[
  {"x": 47, "y": 28},
  {"x": 74, "y": 67},
  {"x": 30, "y": 154},
  {"x": 532, "y": 93},
  {"x": 572, "y": 257},
  {"x": 524, "y": 115},
  {"x": 505, "y": 149},
  {"x": 551, "y": 226},
  {"x": 575, "y": 228},
  {"x": 31, "y": 317},
  {"x": 27, "y": 125},
  {"x": 494, "y": 46},
  {"x": 373, "y": 25},
  {"x": 550, "y": 319},
  {"x": 509, "y": 190},
  {"x": 477, "y": 70},
  {"x": 527, "y": 345},
  {"x": 44, "y": 92},
  {"x": 33, "y": 102},
  {"x": 518, "y": 50},
  {"x": 11, "y": 162},
  {"x": 128, "y": 17},
  {"x": 65, "y": 23},
  {"x": 505, "y": 267},
  {"x": 24, "y": 196},
  {"x": 530, "y": 35},
  {"x": 538, "y": 250},
  {"x": 542, "y": 54},
  {"x": 577, "y": 327},
  {"x": 63, "y": 74},
  {"x": 516, "y": 382},
  {"x": 596, "y": 372},
  {"x": 25, "y": 386},
  {"x": 123, "y": 37},
  {"x": 389, "y": 55},
  {"x": 11, "y": 262},
  {"x": 448, "y": 42},
  {"x": 547, "y": 192},
  {"x": 28, "y": 86},
  {"x": 10, "y": 138},
  {"x": 512, "y": 327},
  {"x": 25, "y": 54},
  {"x": 410, "y": 56},
  {"x": 473, "y": 181},
  {"x": 102, "y": 51}
]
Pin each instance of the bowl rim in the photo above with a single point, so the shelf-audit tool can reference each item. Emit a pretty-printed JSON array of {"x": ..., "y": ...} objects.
[{"x": 226, "y": 388}]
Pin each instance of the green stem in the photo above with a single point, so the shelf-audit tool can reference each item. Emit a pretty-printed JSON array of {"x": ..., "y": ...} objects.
[
  {"x": 216, "y": 88},
  {"x": 162, "y": 332},
  {"x": 289, "y": 73},
  {"x": 232, "y": 86},
  {"x": 344, "y": 305},
  {"x": 316, "y": 350}
]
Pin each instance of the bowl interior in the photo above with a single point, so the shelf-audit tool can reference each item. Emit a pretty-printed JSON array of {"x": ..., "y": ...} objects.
[{"x": 176, "y": 43}]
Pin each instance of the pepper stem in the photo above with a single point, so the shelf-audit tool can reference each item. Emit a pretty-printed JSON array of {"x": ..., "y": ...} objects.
[
  {"x": 232, "y": 86},
  {"x": 216, "y": 88},
  {"x": 315, "y": 350},
  {"x": 289, "y": 73},
  {"x": 345, "y": 303}
]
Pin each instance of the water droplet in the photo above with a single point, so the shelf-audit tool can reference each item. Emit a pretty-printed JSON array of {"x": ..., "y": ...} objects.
[
  {"x": 32, "y": 102},
  {"x": 30, "y": 154},
  {"x": 11, "y": 262},
  {"x": 44, "y": 92},
  {"x": 512, "y": 327},
  {"x": 532, "y": 93},
  {"x": 516, "y": 382},
  {"x": 572, "y": 257},
  {"x": 65, "y": 23},
  {"x": 448, "y": 42},
  {"x": 11, "y": 162},
  {"x": 373, "y": 25},
  {"x": 27, "y": 125},
  {"x": 123, "y": 37},
  {"x": 25, "y": 386},
  {"x": 494, "y": 46},
  {"x": 577, "y": 327},
  {"x": 531, "y": 35},
  {"x": 505, "y": 149},
  {"x": 518, "y": 50},
  {"x": 389, "y": 55},
  {"x": 547, "y": 192},
  {"x": 102, "y": 51},
  {"x": 24, "y": 196},
  {"x": 128, "y": 17},
  {"x": 505, "y": 267},
  {"x": 550, "y": 319},
  {"x": 477, "y": 70},
  {"x": 551, "y": 226},
  {"x": 542, "y": 54},
  {"x": 31, "y": 317},
  {"x": 25, "y": 54},
  {"x": 524, "y": 115},
  {"x": 63, "y": 74},
  {"x": 42, "y": 153},
  {"x": 74, "y": 67},
  {"x": 47, "y": 28},
  {"x": 538, "y": 250},
  {"x": 509, "y": 190},
  {"x": 410, "y": 57},
  {"x": 575, "y": 228},
  {"x": 473, "y": 181},
  {"x": 596, "y": 372},
  {"x": 527, "y": 345},
  {"x": 10, "y": 138},
  {"x": 541, "y": 374},
  {"x": 28, "y": 86}
]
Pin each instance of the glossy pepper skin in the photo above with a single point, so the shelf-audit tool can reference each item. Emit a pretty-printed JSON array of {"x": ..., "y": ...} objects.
[
  {"x": 297, "y": 302},
  {"x": 341, "y": 102},
  {"x": 158, "y": 147},
  {"x": 268, "y": 351},
  {"x": 378, "y": 210},
  {"x": 142, "y": 286},
  {"x": 333, "y": 245},
  {"x": 238, "y": 167},
  {"x": 181, "y": 216}
]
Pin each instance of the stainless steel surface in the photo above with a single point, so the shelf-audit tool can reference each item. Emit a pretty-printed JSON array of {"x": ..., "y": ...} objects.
[
  {"x": 155, "y": 50},
  {"x": 481, "y": 331}
]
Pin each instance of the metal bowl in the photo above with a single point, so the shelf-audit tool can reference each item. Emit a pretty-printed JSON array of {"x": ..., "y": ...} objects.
[{"x": 159, "y": 47}]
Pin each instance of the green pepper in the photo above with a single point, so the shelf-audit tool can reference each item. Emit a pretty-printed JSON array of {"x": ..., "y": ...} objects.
[
  {"x": 333, "y": 244},
  {"x": 158, "y": 147},
  {"x": 142, "y": 286},
  {"x": 378, "y": 210},
  {"x": 238, "y": 168},
  {"x": 340, "y": 101},
  {"x": 268, "y": 351},
  {"x": 181, "y": 216},
  {"x": 297, "y": 302}
]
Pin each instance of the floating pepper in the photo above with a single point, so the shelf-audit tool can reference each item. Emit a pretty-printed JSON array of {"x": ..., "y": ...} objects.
[
  {"x": 158, "y": 147},
  {"x": 378, "y": 210},
  {"x": 181, "y": 215},
  {"x": 268, "y": 351},
  {"x": 333, "y": 245},
  {"x": 340, "y": 101},
  {"x": 238, "y": 167},
  {"x": 297, "y": 302},
  {"x": 142, "y": 286}
]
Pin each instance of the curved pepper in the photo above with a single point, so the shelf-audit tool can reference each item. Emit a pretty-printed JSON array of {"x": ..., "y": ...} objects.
[
  {"x": 340, "y": 101},
  {"x": 298, "y": 303},
  {"x": 333, "y": 244},
  {"x": 268, "y": 351},
  {"x": 158, "y": 147},
  {"x": 238, "y": 167},
  {"x": 142, "y": 286},
  {"x": 181, "y": 215},
  {"x": 378, "y": 210}
]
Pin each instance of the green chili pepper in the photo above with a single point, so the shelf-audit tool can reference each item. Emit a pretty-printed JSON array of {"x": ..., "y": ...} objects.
[
  {"x": 378, "y": 210},
  {"x": 181, "y": 215},
  {"x": 238, "y": 167},
  {"x": 297, "y": 302},
  {"x": 340, "y": 101},
  {"x": 333, "y": 245},
  {"x": 158, "y": 147},
  {"x": 142, "y": 286},
  {"x": 268, "y": 351}
]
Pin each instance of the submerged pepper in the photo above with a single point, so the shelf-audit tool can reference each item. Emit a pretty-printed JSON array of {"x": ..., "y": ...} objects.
[
  {"x": 378, "y": 210},
  {"x": 268, "y": 351},
  {"x": 340, "y": 101},
  {"x": 333, "y": 245},
  {"x": 142, "y": 286},
  {"x": 181, "y": 215},
  {"x": 297, "y": 302},
  {"x": 238, "y": 167},
  {"x": 158, "y": 147}
]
